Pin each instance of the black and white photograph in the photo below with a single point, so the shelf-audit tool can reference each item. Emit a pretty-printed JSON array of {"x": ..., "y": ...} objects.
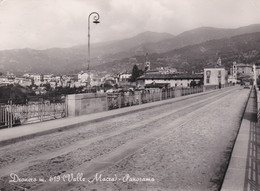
[{"x": 129, "y": 95}]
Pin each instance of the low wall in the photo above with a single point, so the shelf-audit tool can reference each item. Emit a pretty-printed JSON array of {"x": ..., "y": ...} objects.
[
  {"x": 258, "y": 103},
  {"x": 80, "y": 104},
  {"x": 210, "y": 87},
  {"x": 214, "y": 87},
  {"x": 178, "y": 92}
]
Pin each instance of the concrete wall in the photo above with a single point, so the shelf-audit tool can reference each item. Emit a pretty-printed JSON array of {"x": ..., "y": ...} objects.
[
  {"x": 177, "y": 92},
  {"x": 80, "y": 104}
]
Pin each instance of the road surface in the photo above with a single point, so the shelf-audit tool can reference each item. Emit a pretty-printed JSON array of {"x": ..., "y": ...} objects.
[{"x": 184, "y": 145}]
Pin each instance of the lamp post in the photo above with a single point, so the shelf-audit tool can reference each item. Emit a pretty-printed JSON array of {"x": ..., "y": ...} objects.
[{"x": 96, "y": 21}]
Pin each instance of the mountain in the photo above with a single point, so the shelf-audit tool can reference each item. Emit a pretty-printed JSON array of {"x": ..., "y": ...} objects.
[
  {"x": 199, "y": 35},
  {"x": 242, "y": 48},
  {"x": 73, "y": 59},
  {"x": 163, "y": 42},
  {"x": 62, "y": 60},
  {"x": 126, "y": 47}
]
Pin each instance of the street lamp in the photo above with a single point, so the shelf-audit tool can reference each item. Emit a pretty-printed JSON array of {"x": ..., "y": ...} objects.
[{"x": 96, "y": 21}]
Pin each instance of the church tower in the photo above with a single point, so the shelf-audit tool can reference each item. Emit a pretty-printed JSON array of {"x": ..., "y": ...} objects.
[
  {"x": 219, "y": 62},
  {"x": 147, "y": 63}
]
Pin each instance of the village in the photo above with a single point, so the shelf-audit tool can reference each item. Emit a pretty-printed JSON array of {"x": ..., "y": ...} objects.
[{"x": 149, "y": 78}]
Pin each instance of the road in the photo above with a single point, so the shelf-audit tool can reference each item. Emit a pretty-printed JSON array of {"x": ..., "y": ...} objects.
[{"x": 183, "y": 145}]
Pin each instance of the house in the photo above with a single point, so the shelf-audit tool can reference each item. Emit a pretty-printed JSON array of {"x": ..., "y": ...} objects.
[
  {"x": 257, "y": 69},
  {"x": 4, "y": 80},
  {"x": 35, "y": 77},
  {"x": 214, "y": 76},
  {"x": 173, "y": 80},
  {"x": 85, "y": 76},
  {"x": 23, "y": 81},
  {"x": 244, "y": 69},
  {"x": 126, "y": 76},
  {"x": 47, "y": 77}
]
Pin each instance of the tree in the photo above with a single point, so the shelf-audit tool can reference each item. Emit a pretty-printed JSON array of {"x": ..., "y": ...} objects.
[
  {"x": 135, "y": 73},
  {"x": 193, "y": 84}
]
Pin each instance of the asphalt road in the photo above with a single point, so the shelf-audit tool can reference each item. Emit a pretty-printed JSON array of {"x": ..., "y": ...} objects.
[{"x": 184, "y": 145}]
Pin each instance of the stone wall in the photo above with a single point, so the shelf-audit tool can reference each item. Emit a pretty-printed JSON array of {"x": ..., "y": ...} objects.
[{"x": 80, "y": 104}]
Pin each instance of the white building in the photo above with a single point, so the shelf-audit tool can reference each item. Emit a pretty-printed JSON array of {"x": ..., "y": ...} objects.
[
  {"x": 124, "y": 76},
  {"x": 4, "y": 80},
  {"x": 47, "y": 77},
  {"x": 232, "y": 78},
  {"x": 244, "y": 69},
  {"x": 23, "y": 81},
  {"x": 184, "y": 80},
  {"x": 214, "y": 76},
  {"x": 35, "y": 77},
  {"x": 85, "y": 76}
]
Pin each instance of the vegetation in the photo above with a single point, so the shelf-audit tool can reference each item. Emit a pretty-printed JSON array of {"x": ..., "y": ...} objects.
[
  {"x": 15, "y": 92},
  {"x": 193, "y": 58},
  {"x": 135, "y": 73},
  {"x": 20, "y": 95}
]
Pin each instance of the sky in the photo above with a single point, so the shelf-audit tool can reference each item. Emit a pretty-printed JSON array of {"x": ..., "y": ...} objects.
[{"x": 42, "y": 24}]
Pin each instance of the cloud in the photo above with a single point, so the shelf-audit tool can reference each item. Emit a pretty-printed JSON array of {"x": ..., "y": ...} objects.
[{"x": 63, "y": 23}]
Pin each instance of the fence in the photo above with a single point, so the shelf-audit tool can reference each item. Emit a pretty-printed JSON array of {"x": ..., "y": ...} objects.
[
  {"x": 13, "y": 114},
  {"x": 118, "y": 100}
]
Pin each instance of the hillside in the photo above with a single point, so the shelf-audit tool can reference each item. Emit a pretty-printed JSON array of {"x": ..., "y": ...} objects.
[
  {"x": 242, "y": 48},
  {"x": 64, "y": 60},
  {"x": 67, "y": 60},
  {"x": 199, "y": 35}
]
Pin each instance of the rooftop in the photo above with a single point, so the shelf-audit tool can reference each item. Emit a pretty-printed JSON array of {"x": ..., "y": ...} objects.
[{"x": 171, "y": 76}]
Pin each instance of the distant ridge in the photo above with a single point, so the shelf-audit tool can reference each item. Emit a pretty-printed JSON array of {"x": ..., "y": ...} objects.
[{"x": 67, "y": 60}]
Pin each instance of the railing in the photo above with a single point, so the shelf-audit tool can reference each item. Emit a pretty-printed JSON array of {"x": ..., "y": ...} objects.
[
  {"x": 118, "y": 100},
  {"x": 12, "y": 114},
  {"x": 37, "y": 111},
  {"x": 258, "y": 102}
]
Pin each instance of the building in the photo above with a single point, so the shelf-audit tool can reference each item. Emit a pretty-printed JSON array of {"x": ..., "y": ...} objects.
[
  {"x": 96, "y": 81},
  {"x": 126, "y": 76},
  {"x": 23, "y": 81},
  {"x": 85, "y": 76},
  {"x": 35, "y": 77},
  {"x": 232, "y": 78},
  {"x": 244, "y": 69},
  {"x": 47, "y": 77},
  {"x": 173, "y": 80},
  {"x": 214, "y": 76},
  {"x": 147, "y": 63},
  {"x": 4, "y": 80},
  {"x": 167, "y": 70}
]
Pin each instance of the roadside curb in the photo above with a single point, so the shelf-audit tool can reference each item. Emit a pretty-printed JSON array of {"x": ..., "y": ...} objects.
[{"x": 234, "y": 179}]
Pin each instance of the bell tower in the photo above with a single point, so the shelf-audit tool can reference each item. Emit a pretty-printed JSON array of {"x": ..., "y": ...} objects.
[
  {"x": 219, "y": 62},
  {"x": 147, "y": 62}
]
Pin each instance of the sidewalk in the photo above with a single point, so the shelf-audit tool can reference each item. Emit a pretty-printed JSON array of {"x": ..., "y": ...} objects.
[{"x": 244, "y": 167}]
